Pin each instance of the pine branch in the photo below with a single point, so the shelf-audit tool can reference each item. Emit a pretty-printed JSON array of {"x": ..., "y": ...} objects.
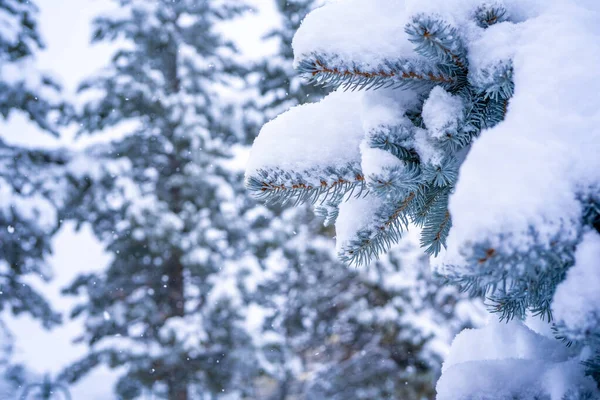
[
  {"x": 392, "y": 140},
  {"x": 487, "y": 15},
  {"x": 443, "y": 175},
  {"x": 426, "y": 201},
  {"x": 396, "y": 75},
  {"x": 512, "y": 291},
  {"x": 435, "y": 231},
  {"x": 438, "y": 41},
  {"x": 528, "y": 293},
  {"x": 329, "y": 212},
  {"x": 487, "y": 105},
  {"x": 496, "y": 82},
  {"x": 423, "y": 183},
  {"x": 396, "y": 181},
  {"x": 334, "y": 184},
  {"x": 370, "y": 242},
  {"x": 558, "y": 330},
  {"x": 592, "y": 367}
]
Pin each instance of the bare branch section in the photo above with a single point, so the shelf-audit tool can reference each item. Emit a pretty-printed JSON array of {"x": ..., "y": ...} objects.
[
  {"x": 311, "y": 186},
  {"x": 397, "y": 74}
]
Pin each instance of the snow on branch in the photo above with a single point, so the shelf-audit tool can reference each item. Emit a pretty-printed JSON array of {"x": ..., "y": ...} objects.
[
  {"x": 279, "y": 186},
  {"x": 390, "y": 74},
  {"x": 438, "y": 41},
  {"x": 368, "y": 226},
  {"x": 309, "y": 153},
  {"x": 335, "y": 47},
  {"x": 511, "y": 361}
]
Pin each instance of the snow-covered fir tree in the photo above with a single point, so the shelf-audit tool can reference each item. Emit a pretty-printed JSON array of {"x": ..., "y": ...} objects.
[
  {"x": 12, "y": 376},
  {"x": 36, "y": 184},
  {"x": 33, "y": 184},
  {"x": 452, "y": 116},
  {"x": 164, "y": 199}
]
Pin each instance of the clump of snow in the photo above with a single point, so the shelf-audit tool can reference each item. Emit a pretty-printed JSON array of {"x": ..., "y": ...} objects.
[
  {"x": 499, "y": 341},
  {"x": 374, "y": 161},
  {"x": 577, "y": 299},
  {"x": 459, "y": 11},
  {"x": 382, "y": 111},
  {"x": 493, "y": 46},
  {"x": 442, "y": 112},
  {"x": 386, "y": 108},
  {"x": 428, "y": 152},
  {"x": 510, "y": 379},
  {"x": 34, "y": 208},
  {"x": 310, "y": 136},
  {"x": 355, "y": 214},
  {"x": 340, "y": 29},
  {"x": 502, "y": 360}
]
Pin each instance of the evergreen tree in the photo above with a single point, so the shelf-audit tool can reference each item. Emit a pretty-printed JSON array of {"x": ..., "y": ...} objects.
[
  {"x": 169, "y": 309},
  {"x": 444, "y": 87},
  {"x": 33, "y": 182},
  {"x": 12, "y": 377}
]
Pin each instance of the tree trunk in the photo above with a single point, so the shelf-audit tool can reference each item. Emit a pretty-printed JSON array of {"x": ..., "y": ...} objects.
[
  {"x": 178, "y": 391},
  {"x": 176, "y": 286},
  {"x": 177, "y": 384}
]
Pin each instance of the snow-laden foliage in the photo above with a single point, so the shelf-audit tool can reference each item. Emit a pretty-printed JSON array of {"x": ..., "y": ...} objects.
[
  {"x": 23, "y": 88},
  {"x": 460, "y": 123},
  {"x": 34, "y": 183},
  {"x": 510, "y": 361},
  {"x": 393, "y": 150}
]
